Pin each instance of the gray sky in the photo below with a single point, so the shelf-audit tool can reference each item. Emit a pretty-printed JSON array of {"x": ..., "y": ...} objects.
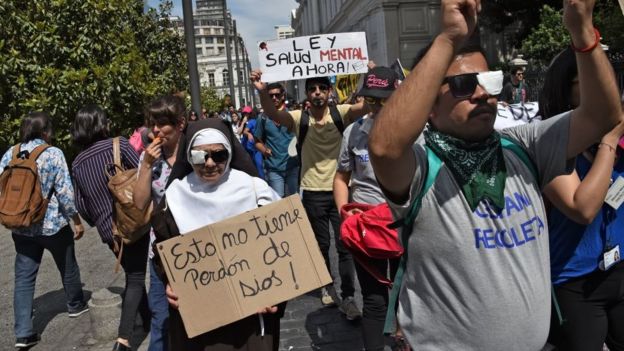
[{"x": 255, "y": 19}]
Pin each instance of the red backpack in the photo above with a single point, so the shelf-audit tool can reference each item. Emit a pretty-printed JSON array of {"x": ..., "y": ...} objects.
[{"x": 366, "y": 235}]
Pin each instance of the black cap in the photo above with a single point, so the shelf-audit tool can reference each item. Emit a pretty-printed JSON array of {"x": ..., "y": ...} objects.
[
  {"x": 318, "y": 80},
  {"x": 379, "y": 82}
]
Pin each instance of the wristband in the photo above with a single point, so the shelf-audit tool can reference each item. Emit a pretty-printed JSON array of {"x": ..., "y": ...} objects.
[
  {"x": 589, "y": 48},
  {"x": 609, "y": 146}
]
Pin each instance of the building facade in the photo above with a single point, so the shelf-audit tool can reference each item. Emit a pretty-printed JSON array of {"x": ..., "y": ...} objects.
[
  {"x": 212, "y": 59},
  {"x": 284, "y": 32}
]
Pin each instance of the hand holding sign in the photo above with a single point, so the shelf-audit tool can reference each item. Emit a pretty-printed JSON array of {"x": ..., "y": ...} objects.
[
  {"x": 256, "y": 76},
  {"x": 248, "y": 263},
  {"x": 459, "y": 20}
]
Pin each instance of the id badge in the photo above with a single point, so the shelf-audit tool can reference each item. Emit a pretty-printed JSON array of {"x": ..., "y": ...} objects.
[
  {"x": 615, "y": 195},
  {"x": 611, "y": 257}
]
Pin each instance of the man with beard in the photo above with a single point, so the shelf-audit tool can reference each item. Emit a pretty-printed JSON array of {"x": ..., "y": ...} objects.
[
  {"x": 477, "y": 263},
  {"x": 319, "y": 131}
]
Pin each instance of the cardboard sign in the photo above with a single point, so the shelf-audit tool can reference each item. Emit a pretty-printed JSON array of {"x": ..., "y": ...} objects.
[
  {"x": 313, "y": 56},
  {"x": 229, "y": 270}
]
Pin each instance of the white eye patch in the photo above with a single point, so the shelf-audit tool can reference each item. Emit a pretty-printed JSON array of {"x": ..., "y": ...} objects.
[
  {"x": 198, "y": 157},
  {"x": 491, "y": 81}
]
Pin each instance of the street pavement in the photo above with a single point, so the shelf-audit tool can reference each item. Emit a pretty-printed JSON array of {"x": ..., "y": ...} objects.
[{"x": 306, "y": 325}]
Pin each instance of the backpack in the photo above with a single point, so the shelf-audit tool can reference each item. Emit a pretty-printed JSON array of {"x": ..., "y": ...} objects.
[
  {"x": 21, "y": 201},
  {"x": 366, "y": 235},
  {"x": 406, "y": 223},
  {"x": 129, "y": 222}
]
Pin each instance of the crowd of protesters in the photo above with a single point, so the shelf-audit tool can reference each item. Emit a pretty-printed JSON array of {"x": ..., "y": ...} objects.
[{"x": 511, "y": 238}]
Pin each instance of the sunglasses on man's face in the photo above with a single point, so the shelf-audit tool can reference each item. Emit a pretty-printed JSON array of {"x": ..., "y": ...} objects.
[
  {"x": 372, "y": 100},
  {"x": 200, "y": 156},
  {"x": 321, "y": 87},
  {"x": 277, "y": 96},
  {"x": 464, "y": 85}
]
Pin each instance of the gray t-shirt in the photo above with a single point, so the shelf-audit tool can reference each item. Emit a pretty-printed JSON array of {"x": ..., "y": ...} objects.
[
  {"x": 480, "y": 280},
  {"x": 353, "y": 158}
]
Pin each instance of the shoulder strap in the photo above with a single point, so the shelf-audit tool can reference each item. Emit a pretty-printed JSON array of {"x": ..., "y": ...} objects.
[
  {"x": 433, "y": 168},
  {"x": 117, "y": 152},
  {"x": 303, "y": 130},
  {"x": 38, "y": 151},
  {"x": 16, "y": 150},
  {"x": 512, "y": 145},
  {"x": 337, "y": 118}
]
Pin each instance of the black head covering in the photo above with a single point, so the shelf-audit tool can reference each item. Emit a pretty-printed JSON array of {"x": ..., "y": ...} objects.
[{"x": 240, "y": 158}]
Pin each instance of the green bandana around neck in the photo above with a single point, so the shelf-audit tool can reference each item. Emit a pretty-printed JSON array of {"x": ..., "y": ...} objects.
[{"x": 479, "y": 168}]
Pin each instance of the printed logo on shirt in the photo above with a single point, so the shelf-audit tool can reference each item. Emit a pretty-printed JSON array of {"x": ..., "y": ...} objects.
[{"x": 509, "y": 238}]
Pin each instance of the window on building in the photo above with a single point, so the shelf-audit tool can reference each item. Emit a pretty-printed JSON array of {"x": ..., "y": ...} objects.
[
  {"x": 198, "y": 41},
  {"x": 226, "y": 77},
  {"x": 209, "y": 40},
  {"x": 220, "y": 40},
  {"x": 211, "y": 79},
  {"x": 196, "y": 31}
]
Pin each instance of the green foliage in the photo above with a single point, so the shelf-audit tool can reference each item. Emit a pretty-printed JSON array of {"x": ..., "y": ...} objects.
[
  {"x": 610, "y": 22},
  {"x": 58, "y": 55},
  {"x": 547, "y": 39},
  {"x": 498, "y": 15},
  {"x": 210, "y": 99}
]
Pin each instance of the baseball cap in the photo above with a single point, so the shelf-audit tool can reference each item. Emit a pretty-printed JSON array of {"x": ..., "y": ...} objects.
[
  {"x": 318, "y": 80},
  {"x": 246, "y": 109},
  {"x": 379, "y": 82}
]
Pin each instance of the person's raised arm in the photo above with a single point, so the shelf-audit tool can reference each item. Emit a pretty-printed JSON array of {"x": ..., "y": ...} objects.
[
  {"x": 356, "y": 111},
  {"x": 404, "y": 116},
  {"x": 599, "y": 109},
  {"x": 282, "y": 117},
  {"x": 581, "y": 200},
  {"x": 142, "y": 194}
]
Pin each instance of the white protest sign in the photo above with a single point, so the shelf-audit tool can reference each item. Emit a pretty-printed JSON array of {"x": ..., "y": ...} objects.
[
  {"x": 516, "y": 114},
  {"x": 313, "y": 56}
]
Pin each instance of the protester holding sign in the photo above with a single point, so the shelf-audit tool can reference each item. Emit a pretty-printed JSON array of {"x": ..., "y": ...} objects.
[
  {"x": 217, "y": 192},
  {"x": 585, "y": 230},
  {"x": 477, "y": 255},
  {"x": 319, "y": 133},
  {"x": 354, "y": 168}
]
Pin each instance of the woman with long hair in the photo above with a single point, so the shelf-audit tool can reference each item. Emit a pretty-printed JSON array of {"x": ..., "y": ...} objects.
[
  {"x": 53, "y": 233},
  {"x": 585, "y": 231},
  {"x": 90, "y": 132}
]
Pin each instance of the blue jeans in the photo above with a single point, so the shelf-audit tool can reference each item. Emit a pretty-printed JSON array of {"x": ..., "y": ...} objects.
[
  {"x": 160, "y": 312},
  {"x": 284, "y": 183},
  {"x": 29, "y": 251}
]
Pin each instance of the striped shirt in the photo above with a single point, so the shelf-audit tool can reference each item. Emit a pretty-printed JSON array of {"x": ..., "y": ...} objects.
[
  {"x": 52, "y": 171},
  {"x": 93, "y": 199}
]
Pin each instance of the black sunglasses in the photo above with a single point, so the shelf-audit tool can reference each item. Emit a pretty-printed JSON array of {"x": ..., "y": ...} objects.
[
  {"x": 279, "y": 95},
  {"x": 220, "y": 156},
  {"x": 462, "y": 85},
  {"x": 321, "y": 87}
]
